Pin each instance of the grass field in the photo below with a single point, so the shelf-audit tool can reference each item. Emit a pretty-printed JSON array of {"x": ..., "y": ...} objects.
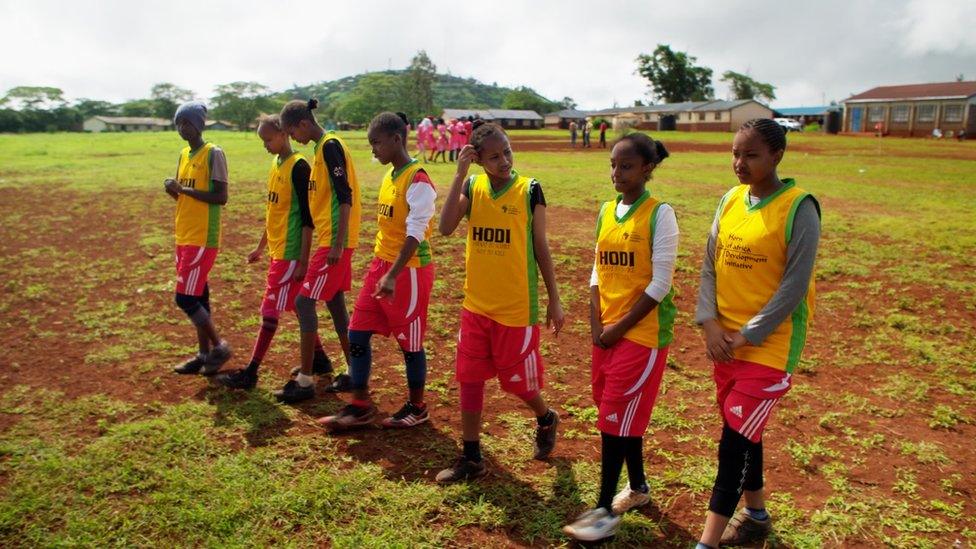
[{"x": 101, "y": 445}]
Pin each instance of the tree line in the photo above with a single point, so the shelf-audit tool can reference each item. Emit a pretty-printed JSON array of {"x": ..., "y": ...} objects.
[{"x": 417, "y": 91}]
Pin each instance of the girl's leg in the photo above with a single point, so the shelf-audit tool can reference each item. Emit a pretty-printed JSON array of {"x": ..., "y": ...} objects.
[
  {"x": 340, "y": 319},
  {"x": 611, "y": 462},
  {"x": 634, "y": 455},
  {"x": 472, "y": 403},
  {"x": 735, "y": 454},
  {"x": 361, "y": 357}
]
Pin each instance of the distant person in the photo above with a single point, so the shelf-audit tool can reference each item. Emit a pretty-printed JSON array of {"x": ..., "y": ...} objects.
[
  {"x": 336, "y": 207},
  {"x": 468, "y": 128},
  {"x": 586, "y": 132},
  {"x": 505, "y": 252},
  {"x": 961, "y": 135},
  {"x": 423, "y": 127},
  {"x": 200, "y": 190},
  {"x": 287, "y": 235},
  {"x": 603, "y": 134},
  {"x": 755, "y": 302},
  {"x": 572, "y": 133},
  {"x": 936, "y": 133},
  {"x": 457, "y": 138},
  {"x": 443, "y": 141},
  {"x": 632, "y": 316},
  {"x": 396, "y": 291}
]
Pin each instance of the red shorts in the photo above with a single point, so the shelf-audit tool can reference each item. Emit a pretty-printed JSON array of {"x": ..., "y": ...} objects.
[
  {"x": 746, "y": 394},
  {"x": 405, "y": 315},
  {"x": 324, "y": 281},
  {"x": 487, "y": 349},
  {"x": 282, "y": 290},
  {"x": 193, "y": 264},
  {"x": 626, "y": 379}
]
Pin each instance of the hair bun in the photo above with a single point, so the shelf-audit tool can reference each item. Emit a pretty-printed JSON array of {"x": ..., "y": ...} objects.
[
  {"x": 478, "y": 122},
  {"x": 662, "y": 152},
  {"x": 312, "y": 104},
  {"x": 403, "y": 117}
]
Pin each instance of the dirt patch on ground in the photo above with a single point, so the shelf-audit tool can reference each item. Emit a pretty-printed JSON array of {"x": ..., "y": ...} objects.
[{"x": 36, "y": 355}]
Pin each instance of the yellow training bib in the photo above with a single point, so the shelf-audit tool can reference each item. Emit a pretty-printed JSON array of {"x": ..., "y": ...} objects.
[
  {"x": 283, "y": 220},
  {"x": 750, "y": 259},
  {"x": 197, "y": 222},
  {"x": 323, "y": 202},
  {"x": 624, "y": 267},
  {"x": 501, "y": 275},
  {"x": 391, "y": 218}
]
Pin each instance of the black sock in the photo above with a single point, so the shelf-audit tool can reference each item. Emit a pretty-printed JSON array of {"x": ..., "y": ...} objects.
[
  {"x": 546, "y": 419},
  {"x": 252, "y": 367},
  {"x": 611, "y": 462},
  {"x": 634, "y": 454},
  {"x": 472, "y": 450}
]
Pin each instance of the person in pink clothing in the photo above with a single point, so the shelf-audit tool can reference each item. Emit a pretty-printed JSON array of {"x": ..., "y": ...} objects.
[
  {"x": 468, "y": 126},
  {"x": 442, "y": 142},
  {"x": 424, "y": 129},
  {"x": 457, "y": 138}
]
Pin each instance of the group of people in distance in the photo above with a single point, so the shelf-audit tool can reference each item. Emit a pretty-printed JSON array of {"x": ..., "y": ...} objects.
[
  {"x": 437, "y": 139},
  {"x": 584, "y": 127},
  {"x": 755, "y": 300}
]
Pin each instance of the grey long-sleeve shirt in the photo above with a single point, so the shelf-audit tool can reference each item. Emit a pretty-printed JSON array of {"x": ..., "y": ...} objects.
[{"x": 801, "y": 254}]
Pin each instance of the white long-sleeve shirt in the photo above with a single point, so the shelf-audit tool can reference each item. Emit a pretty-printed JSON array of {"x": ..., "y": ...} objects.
[
  {"x": 664, "y": 252},
  {"x": 420, "y": 199}
]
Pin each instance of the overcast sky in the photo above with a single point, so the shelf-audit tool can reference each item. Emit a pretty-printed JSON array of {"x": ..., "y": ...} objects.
[{"x": 810, "y": 50}]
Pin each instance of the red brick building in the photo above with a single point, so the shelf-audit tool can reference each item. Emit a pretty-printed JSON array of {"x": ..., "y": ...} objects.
[{"x": 913, "y": 110}]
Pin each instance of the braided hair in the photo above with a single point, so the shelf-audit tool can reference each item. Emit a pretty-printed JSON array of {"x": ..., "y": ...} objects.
[
  {"x": 481, "y": 130},
  {"x": 297, "y": 110},
  {"x": 769, "y": 131},
  {"x": 390, "y": 123}
]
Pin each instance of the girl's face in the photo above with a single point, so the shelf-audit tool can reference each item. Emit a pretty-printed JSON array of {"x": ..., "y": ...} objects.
[
  {"x": 186, "y": 130},
  {"x": 627, "y": 168},
  {"x": 385, "y": 145},
  {"x": 752, "y": 161},
  {"x": 275, "y": 142},
  {"x": 301, "y": 132},
  {"x": 495, "y": 156}
]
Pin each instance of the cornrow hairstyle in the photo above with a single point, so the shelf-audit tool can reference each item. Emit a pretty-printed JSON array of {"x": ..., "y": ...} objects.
[
  {"x": 771, "y": 133},
  {"x": 481, "y": 130},
  {"x": 297, "y": 110},
  {"x": 273, "y": 120},
  {"x": 390, "y": 123},
  {"x": 651, "y": 150}
]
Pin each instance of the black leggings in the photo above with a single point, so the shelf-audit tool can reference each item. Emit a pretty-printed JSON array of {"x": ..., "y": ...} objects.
[{"x": 740, "y": 464}]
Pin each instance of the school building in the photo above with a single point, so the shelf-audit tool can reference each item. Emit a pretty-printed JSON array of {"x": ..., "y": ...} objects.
[
  {"x": 98, "y": 124},
  {"x": 561, "y": 119},
  {"x": 508, "y": 119},
  {"x": 714, "y": 116},
  {"x": 913, "y": 110}
]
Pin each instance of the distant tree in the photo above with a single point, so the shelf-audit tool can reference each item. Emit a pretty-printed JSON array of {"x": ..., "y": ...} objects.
[
  {"x": 167, "y": 97},
  {"x": 567, "y": 103},
  {"x": 523, "y": 98},
  {"x": 638, "y": 103},
  {"x": 373, "y": 94},
  {"x": 34, "y": 98},
  {"x": 960, "y": 77},
  {"x": 673, "y": 76},
  {"x": 418, "y": 86},
  {"x": 138, "y": 107},
  {"x": 745, "y": 87},
  {"x": 10, "y": 121},
  {"x": 95, "y": 107},
  {"x": 241, "y": 103}
]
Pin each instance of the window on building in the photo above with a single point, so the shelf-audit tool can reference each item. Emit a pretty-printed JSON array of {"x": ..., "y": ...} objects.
[
  {"x": 953, "y": 113},
  {"x": 926, "y": 113},
  {"x": 718, "y": 116},
  {"x": 876, "y": 114},
  {"x": 701, "y": 116},
  {"x": 899, "y": 113}
]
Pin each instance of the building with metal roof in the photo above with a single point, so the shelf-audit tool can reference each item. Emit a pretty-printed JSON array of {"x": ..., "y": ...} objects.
[
  {"x": 506, "y": 118},
  {"x": 941, "y": 108}
]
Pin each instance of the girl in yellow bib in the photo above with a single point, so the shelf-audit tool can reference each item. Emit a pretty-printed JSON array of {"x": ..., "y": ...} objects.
[
  {"x": 632, "y": 323},
  {"x": 754, "y": 305},
  {"x": 200, "y": 190},
  {"x": 506, "y": 248}
]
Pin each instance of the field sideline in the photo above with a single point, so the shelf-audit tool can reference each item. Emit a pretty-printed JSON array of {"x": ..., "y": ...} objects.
[{"x": 101, "y": 445}]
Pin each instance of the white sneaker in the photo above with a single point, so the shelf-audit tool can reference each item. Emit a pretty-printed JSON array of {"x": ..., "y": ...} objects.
[
  {"x": 593, "y": 525},
  {"x": 628, "y": 498}
]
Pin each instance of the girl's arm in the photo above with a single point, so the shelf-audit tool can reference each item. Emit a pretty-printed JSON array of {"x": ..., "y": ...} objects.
[
  {"x": 596, "y": 326},
  {"x": 716, "y": 347},
  {"x": 456, "y": 204},
  {"x": 420, "y": 199},
  {"x": 218, "y": 176},
  {"x": 554, "y": 313},
  {"x": 300, "y": 175},
  {"x": 259, "y": 249}
]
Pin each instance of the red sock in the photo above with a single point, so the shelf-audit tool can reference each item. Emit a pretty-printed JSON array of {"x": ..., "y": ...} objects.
[{"x": 269, "y": 325}]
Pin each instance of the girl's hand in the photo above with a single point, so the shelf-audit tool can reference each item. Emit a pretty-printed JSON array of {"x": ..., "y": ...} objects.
[
  {"x": 255, "y": 255},
  {"x": 735, "y": 339},
  {"x": 555, "y": 318},
  {"x": 465, "y": 158},
  {"x": 335, "y": 253},
  {"x": 596, "y": 330},
  {"x": 172, "y": 187},
  {"x": 716, "y": 347},
  {"x": 385, "y": 287},
  {"x": 611, "y": 335},
  {"x": 300, "y": 271}
]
